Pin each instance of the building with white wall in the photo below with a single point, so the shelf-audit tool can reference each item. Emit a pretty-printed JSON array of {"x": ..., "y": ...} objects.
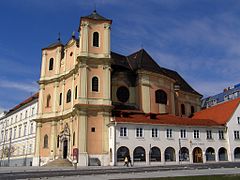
[
  {"x": 17, "y": 138},
  {"x": 212, "y": 135}
]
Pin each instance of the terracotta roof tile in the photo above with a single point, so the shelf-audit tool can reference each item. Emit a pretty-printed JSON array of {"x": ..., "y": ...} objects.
[
  {"x": 165, "y": 120},
  {"x": 28, "y": 100},
  {"x": 220, "y": 113}
]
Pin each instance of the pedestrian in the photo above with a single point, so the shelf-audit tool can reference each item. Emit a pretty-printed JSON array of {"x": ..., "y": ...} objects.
[
  {"x": 129, "y": 160},
  {"x": 126, "y": 161}
]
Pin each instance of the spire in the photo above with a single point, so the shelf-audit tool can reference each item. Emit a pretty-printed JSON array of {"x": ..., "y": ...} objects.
[
  {"x": 73, "y": 34},
  {"x": 59, "y": 37}
]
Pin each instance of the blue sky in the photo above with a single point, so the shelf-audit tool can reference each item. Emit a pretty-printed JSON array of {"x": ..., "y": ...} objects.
[{"x": 200, "y": 39}]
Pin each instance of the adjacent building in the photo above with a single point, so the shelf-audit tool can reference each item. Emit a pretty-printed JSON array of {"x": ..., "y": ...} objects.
[
  {"x": 227, "y": 94},
  {"x": 17, "y": 138},
  {"x": 212, "y": 135}
]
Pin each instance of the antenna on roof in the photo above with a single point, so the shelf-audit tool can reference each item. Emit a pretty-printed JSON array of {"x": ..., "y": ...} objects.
[{"x": 59, "y": 36}]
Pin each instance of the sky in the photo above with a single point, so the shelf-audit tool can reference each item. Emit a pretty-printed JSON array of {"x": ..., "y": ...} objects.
[{"x": 200, "y": 39}]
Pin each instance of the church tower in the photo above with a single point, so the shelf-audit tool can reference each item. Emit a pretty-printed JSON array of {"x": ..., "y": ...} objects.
[{"x": 74, "y": 97}]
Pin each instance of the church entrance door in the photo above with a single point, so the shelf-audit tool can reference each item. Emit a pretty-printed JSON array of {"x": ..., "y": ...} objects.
[{"x": 65, "y": 149}]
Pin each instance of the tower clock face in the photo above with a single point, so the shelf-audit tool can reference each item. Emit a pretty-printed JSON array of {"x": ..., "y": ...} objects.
[{"x": 123, "y": 94}]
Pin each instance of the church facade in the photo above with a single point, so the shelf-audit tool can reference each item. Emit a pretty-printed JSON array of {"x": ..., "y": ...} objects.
[{"x": 84, "y": 86}]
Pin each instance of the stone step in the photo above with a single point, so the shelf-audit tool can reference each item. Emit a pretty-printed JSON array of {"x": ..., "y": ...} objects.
[{"x": 59, "y": 163}]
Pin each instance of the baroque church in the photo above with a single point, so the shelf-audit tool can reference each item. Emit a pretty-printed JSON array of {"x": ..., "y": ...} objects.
[{"x": 84, "y": 86}]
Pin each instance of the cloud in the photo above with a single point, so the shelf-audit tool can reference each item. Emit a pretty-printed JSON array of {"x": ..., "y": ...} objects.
[{"x": 26, "y": 87}]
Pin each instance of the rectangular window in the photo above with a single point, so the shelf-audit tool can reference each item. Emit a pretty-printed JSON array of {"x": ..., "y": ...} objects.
[
  {"x": 30, "y": 149},
  {"x": 33, "y": 109},
  {"x": 154, "y": 132},
  {"x": 19, "y": 131},
  {"x": 123, "y": 131},
  {"x": 209, "y": 134},
  {"x": 196, "y": 134},
  {"x": 76, "y": 92},
  {"x": 14, "y": 132},
  {"x": 31, "y": 128},
  {"x": 183, "y": 133},
  {"x": 238, "y": 120},
  {"x": 169, "y": 133},
  {"x": 139, "y": 132},
  {"x": 60, "y": 99},
  {"x": 25, "y": 129},
  {"x": 26, "y": 114},
  {"x": 221, "y": 134},
  {"x": 236, "y": 135}
]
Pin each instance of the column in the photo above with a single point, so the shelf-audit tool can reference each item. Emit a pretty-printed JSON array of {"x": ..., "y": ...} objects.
[
  {"x": 145, "y": 94},
  {"x": 43, "y": 68},
  {"x": 58, "y": 59},
  {"x": 83, "y": 156},
  {"x": 53, "y": 139},
  {"x": 106, "y": 117},
  {"x": 40, "y": 101},
  {"x": 106, "y": 85},
  {"x": 55, "y": 95},
  {"x": 37, "y": 157},
  {"x": 107, "y": 41},
  {"x": 83, "y": 83},
  {"x": 73, "y": 91},
  {"x": 84, "y": 39}
]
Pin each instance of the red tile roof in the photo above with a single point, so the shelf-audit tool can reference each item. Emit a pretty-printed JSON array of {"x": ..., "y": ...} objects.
[
  {"x": 220, "y": 113},
  {"x": 164, "y": 120},
  {"x": 28, "y": 100}
]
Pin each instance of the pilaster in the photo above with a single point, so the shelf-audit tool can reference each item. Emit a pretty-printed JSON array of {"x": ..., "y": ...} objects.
[
  {"x": 83, "y": 156},
  {"x": 53, "y": 139},
  {"x": 44, "y": 59},
  {"x": 107, "y": 29}
]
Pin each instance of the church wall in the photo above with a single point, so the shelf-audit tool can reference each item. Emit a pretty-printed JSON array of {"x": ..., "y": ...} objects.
[
  {"x": 48, "y": 91},
  {"x": 100, "y": 29},
  {"x": 159, "y": 83},
  {"x": 68, "y": 85},
  {"x": 45, "y": 130},
  {"x": 50, "y": 53},
  {"x": 69, "y": 55},
  {"x": 94, "y": 139},
  {"x": 98, "y": 72}
]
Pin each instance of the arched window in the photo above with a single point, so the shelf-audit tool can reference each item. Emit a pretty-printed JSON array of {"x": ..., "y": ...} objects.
[
  {"x": 69, "y": 96},
  {"x": 237, "y": 153},
  {"x": 122, "y": 152},
  {"x": 74, "y": 139},
  {"x": 183, "y": 109},
  {"x": 76, "y": 93},
  {"x": 192, "y": 109},
  {"x": 210, "y": 154},
  {"x": 155, "y": 154},
  {"x": 170, "y": 154},
  {"x": 48, "y": 100},
  {"x": 51, "y": 61},
  {"x": 45, "y": 141},
  {"x": 139, "y": 154},
  {"x": 161, "y": 97},
  {"x": 96, "y": 39},
  {"x": 95, "y": 84},
  {"x": 183, "y": 154},
  {"x": 222, "y": 154},
  {"x": 60, "y": 99}
]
